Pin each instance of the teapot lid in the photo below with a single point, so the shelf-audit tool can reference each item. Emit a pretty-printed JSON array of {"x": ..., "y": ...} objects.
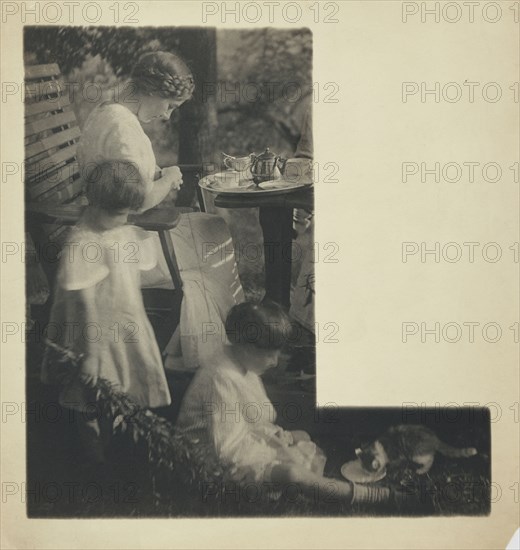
[{"x": 266, "y": 155}]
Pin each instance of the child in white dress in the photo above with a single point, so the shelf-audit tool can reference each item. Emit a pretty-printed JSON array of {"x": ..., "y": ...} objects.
[
  {"x": 226, "y": 410},
  {"x": 98, "y": 309}
]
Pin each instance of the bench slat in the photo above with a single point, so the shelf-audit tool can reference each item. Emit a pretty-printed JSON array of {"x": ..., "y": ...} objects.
[
  {"x": 41, "y": 71},
  {"x": 49, "y": 122},
  {"x": 43, "y": 167},
  {"x": 35, "y": 91},
  {"x": 63, "y": 193},
  {"x": 52, "y": 141},
  {"x": 47, "y": 105},
  {"x": 59, "y": 236},
  {"x": 55, "y": 179}
]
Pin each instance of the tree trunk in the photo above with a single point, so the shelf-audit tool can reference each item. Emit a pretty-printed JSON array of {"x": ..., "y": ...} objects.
[{"x": 198, "y": 117}]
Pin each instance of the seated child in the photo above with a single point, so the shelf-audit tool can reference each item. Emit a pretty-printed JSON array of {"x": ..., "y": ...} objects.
[
  {"x": 98, "y": 309},
  {"x": 226, "y": 410}
]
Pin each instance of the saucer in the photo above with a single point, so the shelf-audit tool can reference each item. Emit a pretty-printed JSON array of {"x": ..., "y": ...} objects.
[
  {"x": 273, "y": 185},
  {"x": 354, "y": 471},
  {"x": 230, "y": 178}
]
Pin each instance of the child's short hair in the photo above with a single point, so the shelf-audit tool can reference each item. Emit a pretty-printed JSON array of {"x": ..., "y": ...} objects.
[
  {"x": 265, "y": 325},
  {"x": 114, "y": 185}
]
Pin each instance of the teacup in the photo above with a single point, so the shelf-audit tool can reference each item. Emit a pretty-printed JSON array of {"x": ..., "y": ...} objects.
[
  {"x": 240, "y": 164},
  {"x": 298, "y": 170},
  {"x": 230, "y": 178}
]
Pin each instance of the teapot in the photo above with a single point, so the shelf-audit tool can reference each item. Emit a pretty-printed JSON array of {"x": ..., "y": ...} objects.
[{"x": 264, "y": 167}]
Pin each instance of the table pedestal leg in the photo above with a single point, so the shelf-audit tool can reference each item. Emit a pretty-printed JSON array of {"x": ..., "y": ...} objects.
[{"x": 277, "y": 227}]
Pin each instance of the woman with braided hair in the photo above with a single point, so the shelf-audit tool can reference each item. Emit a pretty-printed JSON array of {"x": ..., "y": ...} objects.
[{"x": 160, "y": 83}]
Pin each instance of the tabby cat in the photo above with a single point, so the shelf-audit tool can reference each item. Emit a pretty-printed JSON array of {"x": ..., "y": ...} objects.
[{"x": 407, "y": 444}]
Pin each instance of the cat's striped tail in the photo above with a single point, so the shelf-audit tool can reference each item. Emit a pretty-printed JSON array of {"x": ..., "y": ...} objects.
[{"x": 448, "y": 450}]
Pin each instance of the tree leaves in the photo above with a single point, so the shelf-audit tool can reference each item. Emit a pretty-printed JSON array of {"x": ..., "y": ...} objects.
[{"x": 120, "y": 46}]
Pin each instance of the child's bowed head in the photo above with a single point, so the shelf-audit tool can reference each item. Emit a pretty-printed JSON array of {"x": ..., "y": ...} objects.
[
  {"x": 258, "y": 332},
  {"x": 113, "y": 189},
  {"x": 264, "y": 325},
  {"x": 115, "y": 185}
]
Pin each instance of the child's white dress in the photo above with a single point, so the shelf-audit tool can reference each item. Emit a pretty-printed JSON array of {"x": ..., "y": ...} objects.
[
  {"x": 228, "y": 412},
  {"x": 117, "y": 329}
]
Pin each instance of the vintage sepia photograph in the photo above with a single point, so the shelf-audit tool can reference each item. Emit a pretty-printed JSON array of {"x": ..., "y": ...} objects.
[{"x": 171, "y": 328}]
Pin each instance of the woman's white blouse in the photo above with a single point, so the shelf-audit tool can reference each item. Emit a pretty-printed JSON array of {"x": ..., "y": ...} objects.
[{"x": 113, "y": 132}]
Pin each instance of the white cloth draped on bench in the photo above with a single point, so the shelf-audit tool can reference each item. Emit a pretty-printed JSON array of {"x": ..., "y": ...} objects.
[{"x": 211, "y": 287}]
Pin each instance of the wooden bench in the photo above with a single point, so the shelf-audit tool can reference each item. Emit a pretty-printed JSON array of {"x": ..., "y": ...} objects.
[{"x": 55, "y": 197}]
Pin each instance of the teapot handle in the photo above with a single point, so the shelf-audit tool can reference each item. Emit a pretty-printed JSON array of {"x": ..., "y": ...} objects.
[{"x": 281, "y": 162}]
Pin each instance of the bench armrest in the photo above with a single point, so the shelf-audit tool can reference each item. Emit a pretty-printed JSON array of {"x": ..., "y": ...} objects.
[{"x": 160, "y": 218}]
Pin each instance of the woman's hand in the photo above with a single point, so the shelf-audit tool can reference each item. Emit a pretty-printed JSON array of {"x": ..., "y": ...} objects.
[
  {"x": 300, "y": 435},
  {"x": 284, "y": 436},
  {"x": 90, "y": 370},
  {"x": 173, "y": 175},
  {"x": 169, "y": 179}
]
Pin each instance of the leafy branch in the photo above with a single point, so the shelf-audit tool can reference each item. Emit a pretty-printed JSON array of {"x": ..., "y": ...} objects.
[{"x": 173, "y": 459}]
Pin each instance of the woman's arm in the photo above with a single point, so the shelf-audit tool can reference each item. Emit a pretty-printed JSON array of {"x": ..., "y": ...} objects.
[
  {"x": 160, "y": 189},
  {"x": 312, "y": 484},
  {"x": 171, "y": 177}
]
